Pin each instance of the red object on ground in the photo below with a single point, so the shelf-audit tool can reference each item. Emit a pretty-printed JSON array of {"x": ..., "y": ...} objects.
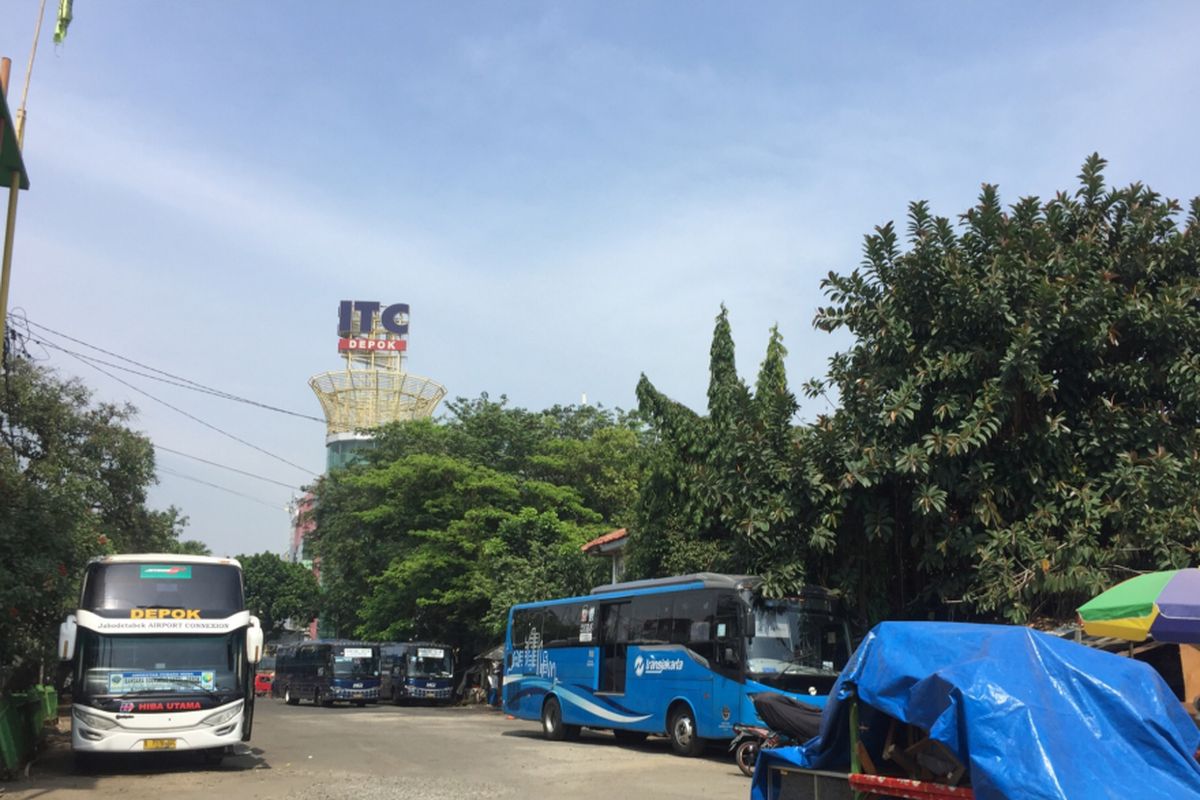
[{"x": 884, "y": 786}]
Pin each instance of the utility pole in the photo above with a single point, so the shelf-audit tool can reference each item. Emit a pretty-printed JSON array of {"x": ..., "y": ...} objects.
[{"x": 14, "y": 186}]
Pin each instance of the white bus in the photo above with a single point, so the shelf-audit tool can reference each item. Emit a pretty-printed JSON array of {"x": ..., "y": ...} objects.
[{"x": 162, "y": 649}]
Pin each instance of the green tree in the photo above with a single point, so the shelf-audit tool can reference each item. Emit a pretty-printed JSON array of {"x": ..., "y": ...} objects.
[
  {"x": 278, "y": 590},
  {"x": 1019, "y": 413},
  {"x": 429, "y": 536},
  {"x": 727, "y": 491},
  {"x": 73, "y": 480}
]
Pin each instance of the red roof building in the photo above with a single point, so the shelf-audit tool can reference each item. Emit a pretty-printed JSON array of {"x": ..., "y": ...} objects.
[{"x": 610, "y": 545}]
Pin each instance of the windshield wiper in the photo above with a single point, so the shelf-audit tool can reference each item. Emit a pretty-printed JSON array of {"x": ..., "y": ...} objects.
[{"x": 796, "y": 665}]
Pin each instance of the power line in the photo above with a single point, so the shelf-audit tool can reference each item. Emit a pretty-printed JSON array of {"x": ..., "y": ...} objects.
[
  {"x": 175, "y": 380},
  {"x": 218, "y": 486},
  {"x": 83, "y": 357},
  {"x": 194, "y": 418},
  {"x": 227, "y": 467}
]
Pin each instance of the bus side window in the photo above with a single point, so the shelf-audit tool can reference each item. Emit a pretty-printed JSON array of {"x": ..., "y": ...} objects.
[
  {"x": 560, "y": 625},
  {"x": 526, "y": 630},
  {"x": 694, "y": 613},
  {"x": 650, "y": 619}
]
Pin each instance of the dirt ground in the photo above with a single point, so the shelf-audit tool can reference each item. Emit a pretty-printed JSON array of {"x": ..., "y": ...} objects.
[{"x": 389, "y": 752}]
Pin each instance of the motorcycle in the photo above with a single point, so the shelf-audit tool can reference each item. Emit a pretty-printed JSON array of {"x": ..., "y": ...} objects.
[
  {"x": 790, "y": 722},
  {"x": 748, "y": 740}
]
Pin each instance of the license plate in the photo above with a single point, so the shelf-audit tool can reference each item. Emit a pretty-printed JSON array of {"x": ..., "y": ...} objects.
[
  {"x": 357, "y": 686},
  {"x": 158, "y": 744}
]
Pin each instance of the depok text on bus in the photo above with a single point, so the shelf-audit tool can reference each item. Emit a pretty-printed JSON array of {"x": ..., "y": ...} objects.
[
  {"x": 416, "y": 671},
  {"x": 163, "y": 652},
  {"x": 681, "y": 656},
  {"x": 326, "y": 671}
]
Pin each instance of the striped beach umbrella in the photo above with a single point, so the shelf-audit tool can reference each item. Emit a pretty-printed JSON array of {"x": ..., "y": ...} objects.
[{"x": 1161, "y": 605}]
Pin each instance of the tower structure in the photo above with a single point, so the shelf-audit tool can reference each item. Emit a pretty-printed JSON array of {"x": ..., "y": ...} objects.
[{"x": 372, "y": 388}]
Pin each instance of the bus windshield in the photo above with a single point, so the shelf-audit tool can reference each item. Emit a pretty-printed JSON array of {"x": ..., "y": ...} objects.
[
  {"x": 790, "y": 639},
  {"x": 117, "y": 666},
  {"x": 430, "y": 662},
  {"x": 351, "y": 663},
  {"x": 212, "y": 587}
]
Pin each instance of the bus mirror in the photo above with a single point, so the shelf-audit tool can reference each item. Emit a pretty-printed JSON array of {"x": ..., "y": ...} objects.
[
  {"x": 254, "y": 644},
  {"x": 66, "y": 639}
]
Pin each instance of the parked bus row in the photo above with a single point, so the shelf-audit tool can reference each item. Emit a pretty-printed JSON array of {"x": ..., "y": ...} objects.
[
  {"x": 327, "y": 671},
  {"x": 681, "y": 657},
  {"x": 162, "y": 651}
]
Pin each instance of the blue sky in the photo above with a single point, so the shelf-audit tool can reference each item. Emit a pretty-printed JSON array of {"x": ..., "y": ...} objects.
[{"x": 564, "y": 193}]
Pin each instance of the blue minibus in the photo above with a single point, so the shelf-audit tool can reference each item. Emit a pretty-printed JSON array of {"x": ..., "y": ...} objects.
[
  {"x": 679, "y": 656},
  {"x": 325, "y": 671},
  {"x": 416, "y": 671}
]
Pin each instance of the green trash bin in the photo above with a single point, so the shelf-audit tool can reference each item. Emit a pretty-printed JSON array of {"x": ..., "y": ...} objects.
[
  {"x": 50, "y": 702},
  {"x": 17, "y": 726},
  {"x": 35, "y": 713},
  {"x": 9, "y": 754}
]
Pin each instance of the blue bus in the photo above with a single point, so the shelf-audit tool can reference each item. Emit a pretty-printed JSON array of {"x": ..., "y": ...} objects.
[
  {"x": 679, "y": 656},
  {"x": 416, "y": 671},
  {"x": 325, "y": 671}
]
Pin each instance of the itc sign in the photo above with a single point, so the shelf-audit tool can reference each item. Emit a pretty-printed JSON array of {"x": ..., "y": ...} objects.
[{"x": 362, "y": 333}]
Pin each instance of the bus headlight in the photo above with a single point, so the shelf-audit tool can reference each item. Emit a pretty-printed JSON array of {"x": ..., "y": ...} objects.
[
  {"x": 222, "y": 717},
  {"x": 93, "y": 720}
]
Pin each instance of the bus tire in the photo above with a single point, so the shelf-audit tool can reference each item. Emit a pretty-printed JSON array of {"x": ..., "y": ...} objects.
[
  {"x": 289, "y": 698},
  {"x": 681, "y": 730},
  {"x": 552, "y": 722},
  {"x": 627, "y": 738},
  {"x": 322, "y": 699},
  {"x": 213, "y": 756}
]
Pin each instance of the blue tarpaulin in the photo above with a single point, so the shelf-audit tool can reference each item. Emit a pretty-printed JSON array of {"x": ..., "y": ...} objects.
[{"x": 1033, "y": 716}]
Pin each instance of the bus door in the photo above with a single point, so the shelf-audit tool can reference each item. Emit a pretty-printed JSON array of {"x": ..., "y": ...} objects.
[
  {"x": 614, "y": 646},
  {"x": 727, "y": 664}
]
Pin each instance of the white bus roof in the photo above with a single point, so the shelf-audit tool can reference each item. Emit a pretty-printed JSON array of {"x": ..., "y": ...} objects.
[{"x": 156, "y": 558}]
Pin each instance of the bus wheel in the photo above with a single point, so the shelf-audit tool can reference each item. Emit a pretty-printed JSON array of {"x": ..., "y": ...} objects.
[
  {"x": 289, "y": 698},
  {"x": 84, "y": 762},
  {"x": 552, "y": 723},
  {"x": 213, "y": 756},
  {"x": 681, "y": 728},
  {"x": 322, "y": 700}
]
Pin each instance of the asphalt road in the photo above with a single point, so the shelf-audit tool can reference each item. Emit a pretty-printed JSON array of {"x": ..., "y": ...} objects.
[{"x": 383, "y": 752}]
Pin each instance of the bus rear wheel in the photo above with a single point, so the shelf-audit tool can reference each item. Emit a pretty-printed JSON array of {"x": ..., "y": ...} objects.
[
  {"x": 552, "y": 723},
  {"x": 289, "y": 698},
  {"x": 681, "y": 728}
]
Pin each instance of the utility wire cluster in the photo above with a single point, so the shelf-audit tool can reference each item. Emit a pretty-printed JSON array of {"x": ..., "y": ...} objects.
[{"x": 23, "y": 332}]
